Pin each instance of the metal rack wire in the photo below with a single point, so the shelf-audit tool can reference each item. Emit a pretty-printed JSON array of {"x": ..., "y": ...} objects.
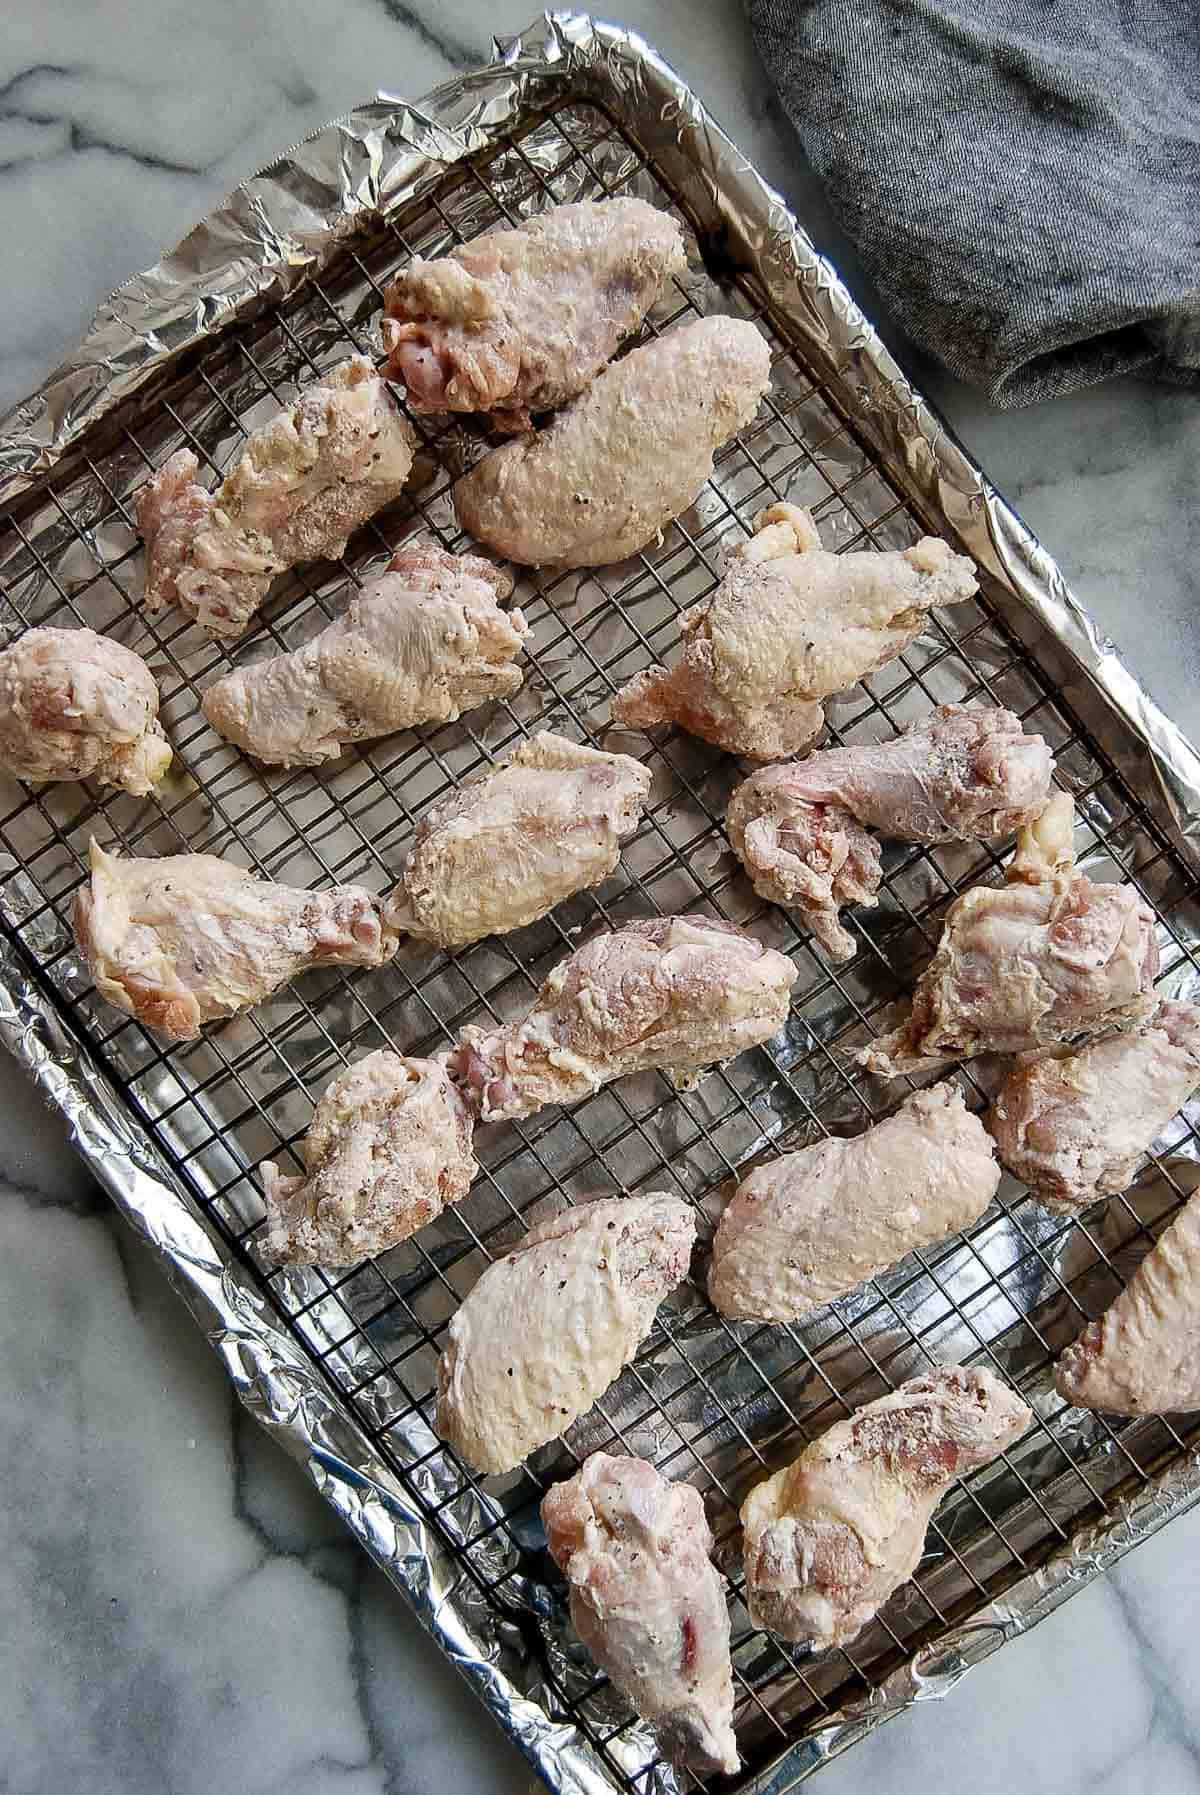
[{"x": 712, "y": 1401}]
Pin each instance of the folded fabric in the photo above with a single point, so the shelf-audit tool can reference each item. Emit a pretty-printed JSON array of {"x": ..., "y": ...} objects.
[{"x": 1021, "y": 177}]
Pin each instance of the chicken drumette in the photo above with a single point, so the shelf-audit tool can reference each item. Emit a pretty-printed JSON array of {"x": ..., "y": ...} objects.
[
  {"x": 187, "y": 939},
  {"x": 424, "y": 642},
  {"x": 75, "y": 705},
  {"x": 548, "y": 1327},
  {"x": 647, "y": 1601},
  {"x": 506, "y": 847},
  {"x": 620, "y": 462},
  {"x": 522, "y": 320},
  {"x": 815, "y": 1224},
  {"x": 790, "y": 624},
  {"x": 677, "y": 993},
  {"x": 303, "y": 483},
  {"x": 388, "y": 1148},
  {"x": 809, "y": 857},
  {"x": 1046, "y": 956},
  {"x": 1143, "y": 1356},
  {"x": 830, "y": 1538},
  {"x": 1074, "y": 1126}
]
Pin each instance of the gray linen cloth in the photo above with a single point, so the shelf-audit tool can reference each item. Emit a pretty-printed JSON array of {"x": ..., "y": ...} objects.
[{"x": 1021, "y": 177}]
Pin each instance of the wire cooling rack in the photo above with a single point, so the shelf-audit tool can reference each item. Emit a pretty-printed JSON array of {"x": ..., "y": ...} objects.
[{"x": 711, "y": 1401}]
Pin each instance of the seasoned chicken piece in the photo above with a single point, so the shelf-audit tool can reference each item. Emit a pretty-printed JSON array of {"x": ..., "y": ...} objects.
[
  {"x": 547, "y": 1328},
  {"x": 686, "y": 694},
  {"x": 963, "y": 773},
  {"x": 420, "y": 644},
  {"x": 522, "y": 320},
  {"x": 515, "y": 841},
  {"x": 813, "y": 1225},
  {"x": 791, "y": 617},
  {"x": 388, "y": 1148},
  {"x": 1047, "y": 956},
  {"x": 809, "y": 857},
  {"x": 677, "y": 993},
  {"x": 1075, "y": 1126},
  {"x": 830, "y": 1538},
  {"x": 187, "y": 939},
  {"x": 612, "y": 470},
  {"x": 75, "y": 705},
  {"x": 647, "y": 1601},
  {"x": 304, "y": 482}
]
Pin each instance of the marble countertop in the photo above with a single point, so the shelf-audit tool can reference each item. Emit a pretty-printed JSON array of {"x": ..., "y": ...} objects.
[{"x": 180, "y": 1612}]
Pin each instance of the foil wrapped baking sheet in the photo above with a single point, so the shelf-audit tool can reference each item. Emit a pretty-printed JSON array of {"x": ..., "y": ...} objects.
[{"x": 280, "y": 282}]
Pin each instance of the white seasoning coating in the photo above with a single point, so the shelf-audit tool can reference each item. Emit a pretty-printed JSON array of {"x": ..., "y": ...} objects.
[
  {"x": 811, "y": 1226},
  {"x": 388, "y": 1148},
  {"x": 75, "y": 705},
  {"x": 547, "y": 1328}
]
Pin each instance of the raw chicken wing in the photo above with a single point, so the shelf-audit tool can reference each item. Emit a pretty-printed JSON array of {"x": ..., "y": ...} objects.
[
  {"x": 677, "y": 993},
  {"x": 420, "y": 644},
  {"x": 511, "y": 844},
  {"x": 963, "y": 773},
  {"x": 647, "y": 1601},
  {"x": 522, "y": 320},
  {"x": 548, "y": 1327},
  {"x": 1143, "y": 1356},
  {"x": 75, "y": 705},
  {"x": 388, "y": 1148},
  {"x": 618, "y": 464},
  {"x": 686, "y": 694},
  {"x": 303, "y": 483},
  {"x": 1074, "y": 1126},
  {"x": 1047, "y": 956},
  {"x": 830, "y": 1538},
  {"x": 808, "y": 857},
  {"x": 815, "y": 1224},
  {"x": 187, "y": 939}
]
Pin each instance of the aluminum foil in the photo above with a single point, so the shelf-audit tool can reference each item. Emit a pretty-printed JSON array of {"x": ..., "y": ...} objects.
[{"x": 285, "y": 224}]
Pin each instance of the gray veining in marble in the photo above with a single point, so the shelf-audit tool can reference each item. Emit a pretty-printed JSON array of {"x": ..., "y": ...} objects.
[{"x": 178, "y": 1612}]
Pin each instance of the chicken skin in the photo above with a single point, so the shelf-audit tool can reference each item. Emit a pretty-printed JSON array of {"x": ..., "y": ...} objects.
[
  {"x": 808, "y": 857},
  {"x": 388, "y": 1148},
  {"x": 677, "y": 993},
  {"x": 1143, "y": 1356},
  {"x": 423, "y": 643},
  {"x": 187, "y": 939},
  {"x": 548, "y": 1328},
  {"x": 647, "y": 1601},
  {"x": 612, "y": 470},
  {"x": 304, "y": 482},
  {"x": 1047, "y": 956},
  {"x": 511, "y": 844},
  {"x": 963, "y": 773},
  {"x": 686, "y": 694},
  {"x": 830, "y": 1538},
  {"x": 1075, "y": 1126},
  {"x": 813, "y": 1225},
  {"x": 522, "y": 320},
  {"x": 75, "y": 705}
]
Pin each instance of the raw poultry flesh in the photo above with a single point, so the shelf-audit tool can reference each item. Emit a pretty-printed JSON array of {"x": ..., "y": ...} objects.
[
  {"x": 1047, "y": 956},
  {"x": 1075, "y": 1126},
  {"x": 75, "y": 705},
  {"x": 1143, "y": 1356},
  {"x": 647, "y": 1601},
  {"x": 685, "y": 694},
  {"x": 187, "y": 938},
  {"x": 548, "y": 1327},
  {"x": 521, "y": 320},
  {"x": 388, "y": 1148},
  {"x": 612, "y": 470},
  {"x": 808, "y": 857},
  {"x": 830, "y": 1538},
  {"x": 805, "y": 1229},
  {"x": 424, "y": 642},
  {"x": 508, "y": 846},
  {"x": 676, "y": 993},
  {"x": 302, "y": 484}
]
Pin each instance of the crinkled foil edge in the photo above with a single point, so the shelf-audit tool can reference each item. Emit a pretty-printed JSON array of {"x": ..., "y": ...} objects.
[{"x": 275, "y": 230}]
